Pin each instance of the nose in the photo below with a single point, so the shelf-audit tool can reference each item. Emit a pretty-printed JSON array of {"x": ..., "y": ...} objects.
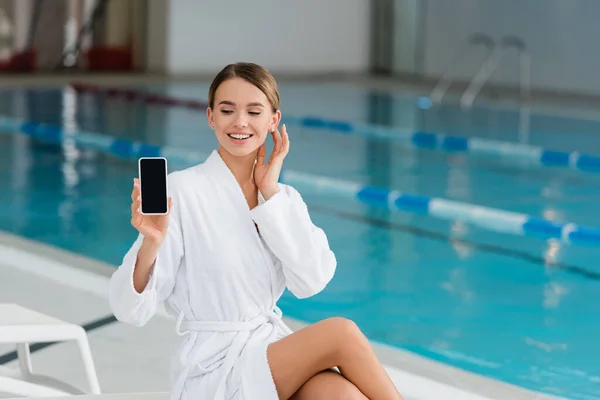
[{"x": 240, "y": 121}]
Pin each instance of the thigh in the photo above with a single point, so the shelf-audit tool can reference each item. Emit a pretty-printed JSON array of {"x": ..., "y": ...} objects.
[
  {"x": 296, "y": 358},
  {"x": 328, "y": 385}
]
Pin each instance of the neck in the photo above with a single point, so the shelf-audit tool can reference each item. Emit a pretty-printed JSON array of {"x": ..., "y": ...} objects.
[{"x": 242, "y": 168}]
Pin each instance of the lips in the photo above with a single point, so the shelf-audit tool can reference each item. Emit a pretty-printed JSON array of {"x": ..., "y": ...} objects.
[{"x": 240, "y": 136}]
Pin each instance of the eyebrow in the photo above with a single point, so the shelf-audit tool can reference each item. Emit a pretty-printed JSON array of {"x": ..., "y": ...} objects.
[{"x": 230, "y": 103}]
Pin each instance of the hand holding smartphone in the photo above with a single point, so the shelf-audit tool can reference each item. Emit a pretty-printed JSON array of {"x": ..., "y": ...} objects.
[
  {"x": 151, "y": 205},
  {"x": 153, "y": 181}
]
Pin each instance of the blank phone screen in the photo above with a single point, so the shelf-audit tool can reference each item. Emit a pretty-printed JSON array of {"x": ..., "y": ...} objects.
[{"x": 153, "y": 180}]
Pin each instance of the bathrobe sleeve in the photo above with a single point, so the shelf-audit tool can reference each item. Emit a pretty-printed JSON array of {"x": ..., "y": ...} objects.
[
  {"x": 137, "y": 308},
  {"x": 303, "y": 249}
]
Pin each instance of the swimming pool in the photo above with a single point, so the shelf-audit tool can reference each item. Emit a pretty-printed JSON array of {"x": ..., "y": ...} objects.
[{"x": 516, "y": 308}]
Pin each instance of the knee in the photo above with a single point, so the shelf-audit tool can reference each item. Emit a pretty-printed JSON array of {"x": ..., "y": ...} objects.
[
  {"x": 343, "y": 326},
  {"x": 347, "y": 333}
]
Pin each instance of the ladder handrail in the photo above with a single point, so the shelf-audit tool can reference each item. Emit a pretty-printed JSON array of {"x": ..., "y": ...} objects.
[
  {"x": 488, "y": 68},
  {"x": 444, "y": 83},
  {"x": 524, "y": 65},
  {"x": 486, "y": 71},
  {"x": 524, "y": 83},
  {"x": 481, "y": 77}
]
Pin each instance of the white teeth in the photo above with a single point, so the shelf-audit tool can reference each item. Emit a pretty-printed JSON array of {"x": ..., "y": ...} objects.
[{"x": 239, "y": 136}]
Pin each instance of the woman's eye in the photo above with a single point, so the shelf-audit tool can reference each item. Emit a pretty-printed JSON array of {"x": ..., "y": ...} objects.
[
  {"x": 254, "y": 112},
  {"x": 226, "y": 111}
]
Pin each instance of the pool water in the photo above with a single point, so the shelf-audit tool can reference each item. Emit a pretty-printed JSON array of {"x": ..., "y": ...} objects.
[{"x": 520, "y": 309}]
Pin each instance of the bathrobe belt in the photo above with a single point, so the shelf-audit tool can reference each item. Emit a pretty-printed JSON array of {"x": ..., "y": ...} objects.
[{"x": 243, "y": 328}]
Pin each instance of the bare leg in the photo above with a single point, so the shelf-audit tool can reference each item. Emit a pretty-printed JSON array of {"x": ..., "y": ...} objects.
[
  {"x": 332, "y": 342},
  {"x": 328, "y": 385}
]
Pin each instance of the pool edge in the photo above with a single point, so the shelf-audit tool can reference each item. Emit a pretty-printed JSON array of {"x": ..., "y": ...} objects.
[{"x": 426, "y": 378}]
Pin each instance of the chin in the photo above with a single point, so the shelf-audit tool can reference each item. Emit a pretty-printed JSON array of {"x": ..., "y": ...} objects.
[{"x": 240, "y": 150}]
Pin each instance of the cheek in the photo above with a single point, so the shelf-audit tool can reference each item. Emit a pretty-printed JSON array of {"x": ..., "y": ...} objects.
[
  {"x": 220, "y": 119},
  {"x": 262, "y": 126}
]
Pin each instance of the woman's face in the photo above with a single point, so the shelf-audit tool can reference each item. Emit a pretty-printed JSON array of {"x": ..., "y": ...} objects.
[{"x": 242, "y": 117}]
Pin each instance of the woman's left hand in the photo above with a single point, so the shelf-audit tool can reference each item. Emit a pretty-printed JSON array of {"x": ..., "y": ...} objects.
[{"x": 266, "y": 175}]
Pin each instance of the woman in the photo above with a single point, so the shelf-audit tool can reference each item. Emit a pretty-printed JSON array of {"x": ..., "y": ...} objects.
[{"x": 233, "y": 240}]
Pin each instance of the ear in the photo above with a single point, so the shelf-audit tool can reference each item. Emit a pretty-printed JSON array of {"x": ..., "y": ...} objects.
[
  {"x": 209, "y": 117},
  {"x": 276, "y": 119}
]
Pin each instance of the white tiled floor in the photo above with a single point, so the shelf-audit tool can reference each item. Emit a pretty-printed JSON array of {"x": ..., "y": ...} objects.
[{"x": 49, "y": 285}]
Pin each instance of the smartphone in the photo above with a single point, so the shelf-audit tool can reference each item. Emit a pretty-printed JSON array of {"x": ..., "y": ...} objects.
[{"x": 153, "y": 185}]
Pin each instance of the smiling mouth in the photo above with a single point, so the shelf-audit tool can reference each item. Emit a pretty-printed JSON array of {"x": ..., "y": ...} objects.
[{"x": 240, "y": 136}]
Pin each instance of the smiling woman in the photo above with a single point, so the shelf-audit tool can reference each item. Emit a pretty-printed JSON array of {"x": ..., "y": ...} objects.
[
  {"x": 243, "y": 107},
  {"x": 224, "y": 297},
  {"x": 247, "y": 108}
]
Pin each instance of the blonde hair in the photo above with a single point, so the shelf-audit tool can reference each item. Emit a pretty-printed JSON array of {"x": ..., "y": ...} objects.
[{"x": 253, "y": 73}]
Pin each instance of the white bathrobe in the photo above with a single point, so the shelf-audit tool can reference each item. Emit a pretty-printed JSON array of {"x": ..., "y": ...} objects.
[{"x": 221, "y": 280}]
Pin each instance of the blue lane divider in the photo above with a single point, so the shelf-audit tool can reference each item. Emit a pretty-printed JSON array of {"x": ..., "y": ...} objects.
[
  {"x": 438, "y": 141},
  {"x": 485, "y": 217},
  {"x": 419, "y": 139}
]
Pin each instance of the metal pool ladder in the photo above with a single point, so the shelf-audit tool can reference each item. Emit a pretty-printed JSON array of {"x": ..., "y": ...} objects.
[
  {"x": 446, "y": 80},
  {"x": 493, "y": 57}
]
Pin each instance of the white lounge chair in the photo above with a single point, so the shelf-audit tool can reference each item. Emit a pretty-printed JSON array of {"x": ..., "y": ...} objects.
[{"x": 21, "y": 326}]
